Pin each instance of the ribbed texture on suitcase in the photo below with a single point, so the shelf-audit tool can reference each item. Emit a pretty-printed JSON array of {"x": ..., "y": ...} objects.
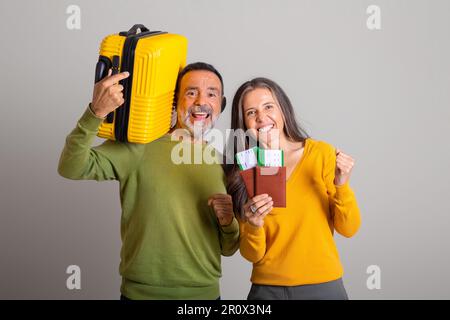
[{"x": 157, "y": 62}]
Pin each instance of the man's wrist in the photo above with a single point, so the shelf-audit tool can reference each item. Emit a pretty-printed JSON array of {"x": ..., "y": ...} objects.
[
  {"x": 230, "y": 228},
  {"x": 227, "y": 224},
  {"x": 94, "y": 113}
]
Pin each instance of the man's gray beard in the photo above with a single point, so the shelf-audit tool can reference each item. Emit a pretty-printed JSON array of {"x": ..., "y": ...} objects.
[{"x": 196, "y": 129}]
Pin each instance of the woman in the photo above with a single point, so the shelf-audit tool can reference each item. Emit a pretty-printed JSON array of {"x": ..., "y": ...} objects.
[{"x": 292, "y": 249}]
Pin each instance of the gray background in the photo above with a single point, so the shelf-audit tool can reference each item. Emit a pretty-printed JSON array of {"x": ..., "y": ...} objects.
[{"x": 382, "y": 96}]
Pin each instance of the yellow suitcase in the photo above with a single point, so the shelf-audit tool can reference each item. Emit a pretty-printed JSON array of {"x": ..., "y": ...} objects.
[{"x": 153, "y": 59}]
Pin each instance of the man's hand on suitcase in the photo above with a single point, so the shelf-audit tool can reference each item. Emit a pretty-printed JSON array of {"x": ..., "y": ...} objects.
[{"x": 108, "y": 94}]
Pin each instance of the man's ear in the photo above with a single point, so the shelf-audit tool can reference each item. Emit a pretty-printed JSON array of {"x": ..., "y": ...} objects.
[
  {"x": 224, "y": 103},
  {"x": 174, "y": 117}
]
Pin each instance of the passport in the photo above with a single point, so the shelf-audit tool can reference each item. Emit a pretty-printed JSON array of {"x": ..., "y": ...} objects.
[{"x": 270, "y": 180}]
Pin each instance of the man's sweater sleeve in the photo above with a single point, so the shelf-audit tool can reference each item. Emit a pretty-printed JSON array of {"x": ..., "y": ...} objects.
[
  {"x": 80, "y": 161},
  {"x": 229, "y": 238}
]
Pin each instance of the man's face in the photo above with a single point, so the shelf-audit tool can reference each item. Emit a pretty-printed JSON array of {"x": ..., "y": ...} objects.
[{"x": 199, "y": 101}]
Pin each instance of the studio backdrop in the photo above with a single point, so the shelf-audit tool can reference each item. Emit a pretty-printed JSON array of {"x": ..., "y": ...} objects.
[{"x": 370, "y": 77}]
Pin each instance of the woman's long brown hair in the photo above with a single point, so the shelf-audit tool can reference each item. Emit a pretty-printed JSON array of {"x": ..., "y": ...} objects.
[{"x": 292, "y": 130}]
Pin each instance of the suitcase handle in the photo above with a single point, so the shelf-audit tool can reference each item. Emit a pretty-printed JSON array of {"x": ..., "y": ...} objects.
[
  {"x": 101, "y": 71},
  {"x": 133, "y": 30},
  {"x": 114, "y": 70},
  {"x": 101, "y": 68}
]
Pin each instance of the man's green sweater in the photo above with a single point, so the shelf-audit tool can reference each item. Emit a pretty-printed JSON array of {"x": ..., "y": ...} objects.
[{"x": 171, "y": 239}]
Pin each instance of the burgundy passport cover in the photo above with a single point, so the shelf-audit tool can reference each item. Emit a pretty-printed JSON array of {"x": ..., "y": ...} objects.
[
  {"x": 249, "y": 180},
  {"x": 270, "y": 180}
]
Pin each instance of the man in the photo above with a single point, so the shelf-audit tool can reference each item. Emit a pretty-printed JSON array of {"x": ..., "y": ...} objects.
[{"x": 177, "y": 220}]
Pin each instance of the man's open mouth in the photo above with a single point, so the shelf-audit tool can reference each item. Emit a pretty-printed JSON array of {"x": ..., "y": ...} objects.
[{"x": 200, "y": 115}]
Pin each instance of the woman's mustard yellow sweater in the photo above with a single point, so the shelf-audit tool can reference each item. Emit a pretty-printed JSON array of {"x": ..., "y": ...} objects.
[{"x": 296, "y": 245}]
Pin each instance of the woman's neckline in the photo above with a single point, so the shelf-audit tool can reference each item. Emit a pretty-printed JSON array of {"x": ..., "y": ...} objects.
[{"x": 299, "y": 163}]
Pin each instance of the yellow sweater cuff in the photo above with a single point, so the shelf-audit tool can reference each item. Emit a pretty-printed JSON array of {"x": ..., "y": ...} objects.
[
  {"x": 252, "y": 230},
  {"x": 344, "y": 192}
]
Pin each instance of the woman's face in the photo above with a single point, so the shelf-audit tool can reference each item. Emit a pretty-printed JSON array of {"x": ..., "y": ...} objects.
[{"x": 263, "y": 116}]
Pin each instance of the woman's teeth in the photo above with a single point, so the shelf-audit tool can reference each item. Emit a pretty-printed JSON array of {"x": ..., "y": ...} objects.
[{"x": 266, "y": 128}]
